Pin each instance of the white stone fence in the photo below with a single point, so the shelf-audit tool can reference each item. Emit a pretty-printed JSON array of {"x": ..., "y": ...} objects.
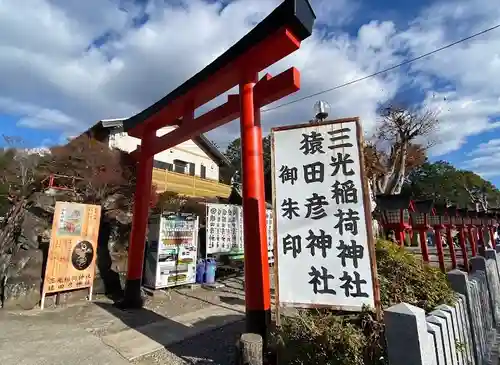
[{"x": 463, "y": 334}]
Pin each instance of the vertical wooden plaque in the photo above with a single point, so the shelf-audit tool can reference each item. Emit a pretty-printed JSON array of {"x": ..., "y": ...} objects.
[{"x": 73, "y": 249}]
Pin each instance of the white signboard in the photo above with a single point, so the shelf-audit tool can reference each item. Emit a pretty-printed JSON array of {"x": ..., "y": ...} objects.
[
  {"x": 323, "y": 245},
  {"x": 225, "y": 229},
  {"x": 223, "y": 221}
]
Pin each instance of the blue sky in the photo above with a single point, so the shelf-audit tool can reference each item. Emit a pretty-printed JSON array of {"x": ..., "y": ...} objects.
[{"x": 66, "y": 65}]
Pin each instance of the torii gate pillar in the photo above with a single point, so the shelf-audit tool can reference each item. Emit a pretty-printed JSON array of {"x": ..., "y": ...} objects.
[
  {"x": 257, "y": 287},
  {"x": 277, "y": 36}
]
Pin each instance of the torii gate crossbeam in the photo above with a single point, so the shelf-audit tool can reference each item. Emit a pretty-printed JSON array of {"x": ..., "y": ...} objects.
[{"x": 277, "y": 36}]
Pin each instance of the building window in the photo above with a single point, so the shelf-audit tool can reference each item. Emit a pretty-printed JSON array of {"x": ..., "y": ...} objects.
[
  {"x": 203, "y": 172},
  {"x": 180, "y": 166},
  {"x": 191, "y": 169},
  {"x": 162, "y": 165}
]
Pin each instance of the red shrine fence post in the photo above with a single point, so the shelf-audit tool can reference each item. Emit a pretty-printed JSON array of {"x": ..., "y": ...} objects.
[
  {"x": 472, "y": 241},
  {"x": 463, "y": 247},
  {"x": 439, "y": 248},
  {"x": 422, "y": 234},
  {"x": 452, "y": 248}
]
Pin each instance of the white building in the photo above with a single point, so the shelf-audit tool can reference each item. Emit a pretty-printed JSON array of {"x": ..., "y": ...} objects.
[{"x": 198, "y": 157}]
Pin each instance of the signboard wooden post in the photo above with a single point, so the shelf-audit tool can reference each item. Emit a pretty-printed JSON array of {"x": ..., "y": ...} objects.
[
  {"x": 324, "y": 246},
  {"x": 72, "y": 250}
]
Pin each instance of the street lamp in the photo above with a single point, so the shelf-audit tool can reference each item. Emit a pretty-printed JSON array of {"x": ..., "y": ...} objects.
[{"x": 321, "y": 110}]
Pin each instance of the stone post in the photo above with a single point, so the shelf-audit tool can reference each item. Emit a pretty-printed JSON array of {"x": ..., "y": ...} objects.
[
  {"x": 480, "y": 264},
  {"x": 493, "y": 275},
  {"x": 407, "y": 336},
  {"x": 460, "y": 283}
]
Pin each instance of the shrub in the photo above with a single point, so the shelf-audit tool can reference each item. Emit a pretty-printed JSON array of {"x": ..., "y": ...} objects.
[
  {"x": 325, "y": 337},
  {"x": 404, "y": 278}
]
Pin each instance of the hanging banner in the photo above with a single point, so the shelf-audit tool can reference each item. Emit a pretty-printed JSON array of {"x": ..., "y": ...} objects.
[
  {"x": 172, "y": 250},
  {"x": 72, "y": 250},
  {"x": 225, "y": 230},
  {"x": 324, "y": 246}
]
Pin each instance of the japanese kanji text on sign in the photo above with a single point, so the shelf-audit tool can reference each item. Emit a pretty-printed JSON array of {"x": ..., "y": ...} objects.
[
  {"x": 73, "y": 248},
  {"x": 323, "y": 241}
]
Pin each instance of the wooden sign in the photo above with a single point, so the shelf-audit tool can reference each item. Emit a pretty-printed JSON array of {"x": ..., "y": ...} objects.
[
  {"x": 325, "y": 253},
  {"x": 73, "y": 248}
]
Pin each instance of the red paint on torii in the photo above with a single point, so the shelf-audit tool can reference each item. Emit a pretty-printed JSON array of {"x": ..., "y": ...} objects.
[
  {"x": 268, "y": 90},
  {"x": 277, "y": 36}
]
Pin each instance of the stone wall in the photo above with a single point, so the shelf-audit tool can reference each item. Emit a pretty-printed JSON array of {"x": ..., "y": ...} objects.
[
  {"x": 24, "y": 242},
  {"x": 464, "y": 334}
]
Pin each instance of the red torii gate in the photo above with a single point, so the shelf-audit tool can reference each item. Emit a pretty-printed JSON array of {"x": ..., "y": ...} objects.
[{"x": 277, "y": 36}]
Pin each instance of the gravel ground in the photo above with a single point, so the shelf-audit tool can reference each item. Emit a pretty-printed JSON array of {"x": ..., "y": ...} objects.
[{"x": 216, "y": 347}]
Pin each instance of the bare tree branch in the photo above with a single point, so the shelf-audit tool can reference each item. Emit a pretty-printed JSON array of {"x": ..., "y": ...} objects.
[{"x": 398, "y": 147}]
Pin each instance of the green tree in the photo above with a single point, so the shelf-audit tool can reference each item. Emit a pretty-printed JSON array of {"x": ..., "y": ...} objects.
[
  {"x": 443, "y": 181},
  {"x": 479, "y": 190},
  {"x": 233, "y": 154}
]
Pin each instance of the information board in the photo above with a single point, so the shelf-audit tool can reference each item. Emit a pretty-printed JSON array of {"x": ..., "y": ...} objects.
[
  {"x": 72, "y": 249},
  {"x": 324, "y": 243},
  {"x": 225, "y": 229},
  {"x": 224, "y": 234}
]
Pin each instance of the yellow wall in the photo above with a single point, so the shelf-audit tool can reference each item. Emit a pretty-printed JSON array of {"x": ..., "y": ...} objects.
[{"x": 188, "y": 185}]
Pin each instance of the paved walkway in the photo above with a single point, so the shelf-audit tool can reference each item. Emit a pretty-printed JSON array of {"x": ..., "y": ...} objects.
[
  {"x": 185, "y": 326},
  {"x": 23, "y": 343}
]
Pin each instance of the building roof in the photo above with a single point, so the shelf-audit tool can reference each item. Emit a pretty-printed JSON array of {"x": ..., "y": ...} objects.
[{"x": 201, "y": 140}]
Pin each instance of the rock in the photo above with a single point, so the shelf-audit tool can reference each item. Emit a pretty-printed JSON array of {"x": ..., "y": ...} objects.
[
  {"x": 4, "y": 264},
  {"x": 32, "y": 229},
  {"x": 22, "y": 292},
  {"x": 17, "y": 263},
  {"x": 22, "y": 280},
  {"x": 43, "y": 202},
  {"x": 27, "y": 237},
  {"x": 26, "y": 263}
]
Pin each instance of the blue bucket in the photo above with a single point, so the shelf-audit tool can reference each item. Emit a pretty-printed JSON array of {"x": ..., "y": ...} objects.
[
  {"x": 200, "y": 271},
  {"x": 210, "y": 269}
]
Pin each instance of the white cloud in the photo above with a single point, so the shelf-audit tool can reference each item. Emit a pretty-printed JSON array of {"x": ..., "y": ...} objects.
[
  {"x": 54, "y": 72},
  {"x": 51, "y": 79},
  {"x": 465, "y": 90},
  {"x": 484, "y": 159}
]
